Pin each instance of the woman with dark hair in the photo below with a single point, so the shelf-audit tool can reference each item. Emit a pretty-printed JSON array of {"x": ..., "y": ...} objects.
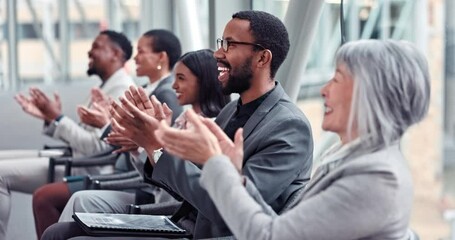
[
  {"x": 196, "y": 84},
  {"x": 196, "y": 71},
  {"x": 157, "y": 52}
]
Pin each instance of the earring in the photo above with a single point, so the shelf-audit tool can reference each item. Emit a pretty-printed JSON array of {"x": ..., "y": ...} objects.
[{"x": 158, "y": 67}]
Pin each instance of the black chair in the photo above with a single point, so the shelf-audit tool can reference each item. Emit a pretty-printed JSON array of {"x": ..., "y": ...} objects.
[
  {"x": 121, "y": 162},
  {"x": 68, "y": 152},
  {"x": 115, "y": 181},
  {"x": 130, "y": 181}
]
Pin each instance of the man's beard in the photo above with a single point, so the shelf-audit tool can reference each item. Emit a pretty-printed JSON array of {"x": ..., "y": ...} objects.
[
  {"x": 240, "y": 80},
  {"x": 92, "y": 71}
]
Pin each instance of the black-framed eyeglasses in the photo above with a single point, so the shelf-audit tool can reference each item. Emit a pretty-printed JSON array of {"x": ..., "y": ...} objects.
[{"x": 224, "y": 44}]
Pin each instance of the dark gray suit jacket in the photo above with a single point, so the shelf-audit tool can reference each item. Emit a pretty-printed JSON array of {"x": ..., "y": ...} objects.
[{"x": 278, "y": 150}]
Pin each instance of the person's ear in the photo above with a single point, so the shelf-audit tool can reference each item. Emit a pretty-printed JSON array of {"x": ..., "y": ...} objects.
[
  {"x": 265, "y": 58},
  {"x": 118, "y": 54},
  {"x": 163, "y": 59}
]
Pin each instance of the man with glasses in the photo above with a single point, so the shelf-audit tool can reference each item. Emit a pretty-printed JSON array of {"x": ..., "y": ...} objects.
[{"x": 277, "y": 156}]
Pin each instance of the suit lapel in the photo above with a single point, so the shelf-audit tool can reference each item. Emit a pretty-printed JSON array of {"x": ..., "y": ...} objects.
[
  {"x": 262, "y": 110},
  {"x": 223, "y": 118}
]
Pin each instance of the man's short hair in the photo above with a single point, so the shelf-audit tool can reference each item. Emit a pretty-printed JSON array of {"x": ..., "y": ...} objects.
[
  {"x": 121, "y": 41},
  {"x": 166, "y": 41},
  {"x": 270, "y": 32}
]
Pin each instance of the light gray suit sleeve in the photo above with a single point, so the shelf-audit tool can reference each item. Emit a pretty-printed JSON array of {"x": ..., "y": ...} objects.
[
  {"x": 256, "y": 195},
  {"x": 353, "y": 207},
  {"x": 86, "y": 140}
]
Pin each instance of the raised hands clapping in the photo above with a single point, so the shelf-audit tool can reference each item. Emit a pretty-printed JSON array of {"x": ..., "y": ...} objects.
[
  {"x": 125, "y": 144},
  {"x": 137, "y": 118},
  {"x": 39, "y": 105},
  {"x": 203, "y": 140},
  {"x": 98, "y": 114}
]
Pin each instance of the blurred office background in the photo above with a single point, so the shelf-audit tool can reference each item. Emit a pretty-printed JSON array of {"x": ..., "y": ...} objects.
[{"x": 44, "y": 43}]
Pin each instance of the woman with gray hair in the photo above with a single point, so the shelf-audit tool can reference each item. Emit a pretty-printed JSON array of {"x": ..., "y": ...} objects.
[{"x": 363, "y": 187}]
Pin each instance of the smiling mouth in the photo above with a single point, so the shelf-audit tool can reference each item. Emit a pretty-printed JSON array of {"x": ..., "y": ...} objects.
[
  {"x": 327, "y": 109},
  {"x": 222, "y": 71}
]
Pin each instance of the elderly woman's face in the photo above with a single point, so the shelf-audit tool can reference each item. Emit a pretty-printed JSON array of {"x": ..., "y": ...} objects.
[{"x": 337, "y": 94}]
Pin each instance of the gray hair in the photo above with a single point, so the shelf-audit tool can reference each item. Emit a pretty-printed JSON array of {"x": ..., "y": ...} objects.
[{"x": 391, "y": 88}]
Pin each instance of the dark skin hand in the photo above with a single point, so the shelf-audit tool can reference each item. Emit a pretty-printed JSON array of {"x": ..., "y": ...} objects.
[
  {"x": 202, "y": 140},
  {"x": 125, "y": 144},
  {"x": 28, "y": 106},
  {"x": 137, "y": 118},
  {"x": 96, "y": 116},
  {"x": 50, "y": 109}
]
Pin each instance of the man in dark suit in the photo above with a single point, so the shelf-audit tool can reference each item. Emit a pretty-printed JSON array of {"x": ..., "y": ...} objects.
[
  {"x": 277, "y": 157},
  {"x": 278, "y": 141}
]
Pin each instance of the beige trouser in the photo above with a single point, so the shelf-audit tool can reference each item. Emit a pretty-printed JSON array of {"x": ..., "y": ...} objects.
[{"x": 22, "y": 175}]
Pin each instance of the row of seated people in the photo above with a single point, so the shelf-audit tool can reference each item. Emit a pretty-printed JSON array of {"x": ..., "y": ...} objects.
[
  {"x": 196, "y": 85},
  {"x": 108, "y": 54},
  {"x": 235, "y": 174},
  {"x": 157, "y": 53}
]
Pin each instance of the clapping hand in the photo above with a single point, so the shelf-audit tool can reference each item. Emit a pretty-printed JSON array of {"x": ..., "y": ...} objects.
[
  {"x": 97, "y": 116},
  {"x": 39, "y": 105},
  {"x": 137, "y": 118},
  {"x": 100, "y": 98},
  {"x": 126, "y": 145},
  {"x": 203, "y": 140},
  {"x": 233, "y": 150},
  {"x": 151, "y": 106},
  {"x": 29, "y": 106}
]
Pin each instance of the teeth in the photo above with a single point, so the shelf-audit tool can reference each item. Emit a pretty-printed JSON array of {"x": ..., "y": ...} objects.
[
  {"x": 223, "y": 69},
  {"x": 328, "y": 109}
]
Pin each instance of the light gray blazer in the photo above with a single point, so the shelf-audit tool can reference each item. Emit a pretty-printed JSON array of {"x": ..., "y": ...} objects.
[
  {"x": 368, "y": 197},
  {"x": 278, "y": 157}
]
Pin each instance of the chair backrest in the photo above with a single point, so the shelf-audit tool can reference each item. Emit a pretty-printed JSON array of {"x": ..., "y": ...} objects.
[{"x": 123, "y": 163}]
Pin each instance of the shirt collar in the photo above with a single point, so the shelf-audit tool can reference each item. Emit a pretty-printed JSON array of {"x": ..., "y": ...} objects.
[
  {"x": 251, "y": 106},
  {"x": 120, "y": 73}
]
